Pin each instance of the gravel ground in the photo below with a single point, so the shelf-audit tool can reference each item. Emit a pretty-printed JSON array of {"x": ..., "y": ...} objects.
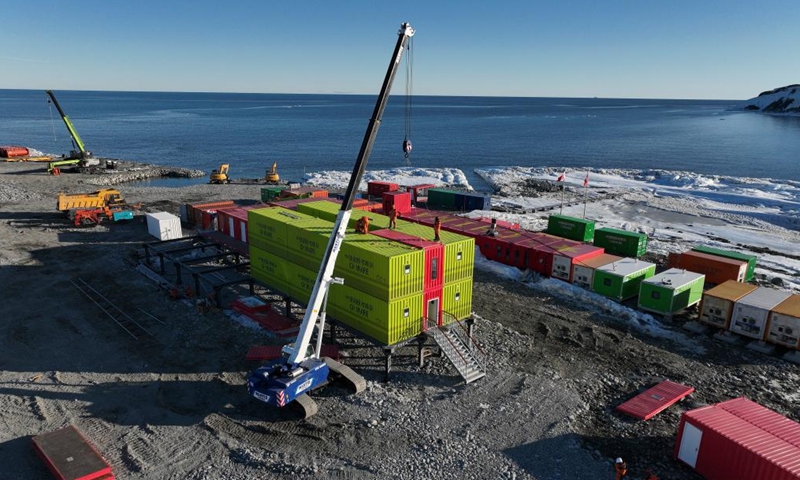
[{"x": 177, "y": 408}]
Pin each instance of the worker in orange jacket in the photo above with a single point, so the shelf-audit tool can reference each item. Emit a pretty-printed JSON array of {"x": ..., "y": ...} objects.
[
  {"x": 437, "y": 227},
  {"x": 362, "y": 225},
  {"x": 392, "y": 218},
  {"x": 620, "y": 468}
]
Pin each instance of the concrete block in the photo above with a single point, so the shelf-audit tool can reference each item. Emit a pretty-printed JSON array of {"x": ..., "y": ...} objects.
[
  {"x": 697, "y": 327},
  {"x": 731, "y": 338},
  {"x": 762, "y": 347},
  {"x": 793, "y": 356}
]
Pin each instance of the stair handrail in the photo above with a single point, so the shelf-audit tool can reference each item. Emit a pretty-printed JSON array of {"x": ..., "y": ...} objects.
[
  {"x": 477, "y": 351},
  {"x": 433, "y": 326}
]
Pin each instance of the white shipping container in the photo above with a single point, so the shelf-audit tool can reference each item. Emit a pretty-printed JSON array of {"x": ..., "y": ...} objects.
[
  {"x": 751, "y": 312},
  {"x": 164, "y": 226}
]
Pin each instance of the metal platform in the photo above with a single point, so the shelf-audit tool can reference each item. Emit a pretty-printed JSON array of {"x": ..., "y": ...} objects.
[
  {"x": 653, "y": 401},
  {"x": 69, "y": 456}
]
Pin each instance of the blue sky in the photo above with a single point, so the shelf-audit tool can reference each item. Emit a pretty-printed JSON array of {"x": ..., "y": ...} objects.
[{"x": 726, "y": 49}]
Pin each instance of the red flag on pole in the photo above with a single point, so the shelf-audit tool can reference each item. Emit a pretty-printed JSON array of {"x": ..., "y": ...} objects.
[
  {"x": 586, "y": 180},
  {"x": 561, "y": 177}
]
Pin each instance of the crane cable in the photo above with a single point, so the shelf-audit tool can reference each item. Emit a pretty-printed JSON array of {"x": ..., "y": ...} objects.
[{"x": 409, "y": 95}]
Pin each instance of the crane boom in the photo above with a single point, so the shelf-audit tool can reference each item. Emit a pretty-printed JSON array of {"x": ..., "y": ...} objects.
[
  {"x": 297, "y": 352},
  {"x": 76, "y": 139},
  {"x": 288, "y": 378}
]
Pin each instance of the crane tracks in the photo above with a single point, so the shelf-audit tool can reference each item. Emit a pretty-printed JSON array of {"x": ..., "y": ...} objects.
[{"x": 288, "y": 438}]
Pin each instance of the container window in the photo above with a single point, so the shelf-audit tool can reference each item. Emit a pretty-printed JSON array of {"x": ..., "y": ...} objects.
[
  {"x": 434, "y": 268},
  {"x": 458, "y": 256},
  {"x": 458, "y": 296},
  {"x": 655, "y": 295},
  {"x": 407, "y": 269},
  {"x": 405, "y": 312}
]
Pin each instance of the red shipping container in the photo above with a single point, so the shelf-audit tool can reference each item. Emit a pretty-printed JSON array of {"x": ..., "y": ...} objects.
[
  {"x": 419, "y": 193},
  {"x": 12, "y": 151},
  {"x": 401, "y": 201},
  {"x": 739, "y": 439},
  {"x": 191, "y": 209},
  {"x": 532, "y": 250},
  {"x": 376, "y": 189},
  {"x": 233, "y": 222},
  {"x": 433, "y": 251},
  {"x": 717, "y": 270},
  {"x": 205, "y": 218},
  {"x": 540, "y": 258},
  {"x": 564, "y": 259},
  {"x": 432, "y": 304},
  {"x": 500, "y": 223}
]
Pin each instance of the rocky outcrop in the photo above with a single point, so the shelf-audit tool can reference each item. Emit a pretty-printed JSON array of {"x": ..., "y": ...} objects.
[{"x": 780, "y": 100}]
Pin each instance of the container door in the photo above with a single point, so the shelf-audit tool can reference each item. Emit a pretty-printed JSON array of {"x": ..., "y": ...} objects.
[
  {"x": 690, "y": 444},
  {"x": 433, "y": 310},
  {"x": 243, "y": 228},
  {"x": 231, "y": 231}
]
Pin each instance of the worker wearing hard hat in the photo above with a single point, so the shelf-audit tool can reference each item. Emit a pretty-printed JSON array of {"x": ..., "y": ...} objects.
[{"x": 620, "y": 468}]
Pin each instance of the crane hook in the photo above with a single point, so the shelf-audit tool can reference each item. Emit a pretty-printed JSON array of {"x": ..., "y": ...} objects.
[{"x": 407, "y": 147}]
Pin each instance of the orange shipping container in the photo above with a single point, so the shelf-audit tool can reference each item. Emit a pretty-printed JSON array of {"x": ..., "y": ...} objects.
[
  {"x": 784, "y": 323},
  {"x": 716, "y": 307},
  {"x": 717, "y": 269}
]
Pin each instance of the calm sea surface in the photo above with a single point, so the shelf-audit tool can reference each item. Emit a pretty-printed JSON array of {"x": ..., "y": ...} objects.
[{"x": 306, "y": 133}]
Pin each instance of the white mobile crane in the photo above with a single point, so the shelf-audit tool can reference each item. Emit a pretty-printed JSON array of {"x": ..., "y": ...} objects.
[{"x": 299, "y": 371}]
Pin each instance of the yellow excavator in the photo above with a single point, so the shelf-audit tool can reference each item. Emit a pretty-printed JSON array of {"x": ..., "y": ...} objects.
[
  {"x": 272, "y": 175},
  {"x": 221, "y": 175}
]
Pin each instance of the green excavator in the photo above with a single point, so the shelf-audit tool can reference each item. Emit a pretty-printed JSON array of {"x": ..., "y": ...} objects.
[{"x": 78, "y": 156}]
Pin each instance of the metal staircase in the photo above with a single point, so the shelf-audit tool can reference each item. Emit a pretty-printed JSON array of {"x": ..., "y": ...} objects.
[{"x": 462, "y": 350}]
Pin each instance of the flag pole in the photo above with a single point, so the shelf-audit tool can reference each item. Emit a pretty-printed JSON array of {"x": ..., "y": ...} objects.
[{"x": 585, "y": 185}]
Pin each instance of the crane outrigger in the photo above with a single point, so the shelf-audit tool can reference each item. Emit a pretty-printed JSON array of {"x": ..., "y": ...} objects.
[{"x": 300, "y": 370}]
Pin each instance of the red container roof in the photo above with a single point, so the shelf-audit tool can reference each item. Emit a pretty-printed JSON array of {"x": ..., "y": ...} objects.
[
  {"x": 581, "y": 251},
  {"x": 235, "y": 212},
  {"x": 755, "y": 428},
  {"x": 405, "y": 238},
  {"x": 655, "y": 400}
]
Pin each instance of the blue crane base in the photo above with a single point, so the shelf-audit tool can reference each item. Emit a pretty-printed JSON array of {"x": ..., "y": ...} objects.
[{"x": 278, "y": 384}]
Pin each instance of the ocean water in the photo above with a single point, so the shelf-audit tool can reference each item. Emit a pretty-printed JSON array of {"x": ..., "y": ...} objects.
[{"x": 306, "y": 133}]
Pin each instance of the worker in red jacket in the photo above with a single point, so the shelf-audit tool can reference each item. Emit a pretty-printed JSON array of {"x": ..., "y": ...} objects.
[
  {"x": 437, "y": 227},
  {"x": 362, "y": 225},
  {"x": 392, "y": 218},
  {"x": 620, "y": 468}
]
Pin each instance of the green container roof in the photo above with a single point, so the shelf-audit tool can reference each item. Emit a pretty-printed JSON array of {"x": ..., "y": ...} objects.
[
  {"x": 573, "y": 219},
  {"x": 620, "y": 232},
  {"x": 383, "y": 247}
]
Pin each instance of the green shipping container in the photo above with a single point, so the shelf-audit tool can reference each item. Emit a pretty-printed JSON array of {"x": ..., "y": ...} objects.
[
  {"x": 266, "y": 227},
  {"x": 381, "y": 267},
  {"x": 439, "y": 197},
  {"x": 750, "y": 259},
  {"x": 578, "y": 229},
  {"x": 293, "y": 280},
  {"x": 325, "y": 210},
  {"x": 269, "y": 194},
  {"x": 386, "y": 322},
  {"x": 457, "y": 300},
  {"x": 671, "y": 291},
  {"x": 620, "y": 280},
  {"x": 621, "y": 242}
]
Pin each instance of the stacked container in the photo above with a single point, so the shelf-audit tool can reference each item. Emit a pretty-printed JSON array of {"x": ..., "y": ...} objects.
[
  {"x": 750, "y": 259},
  {"x": 392, "y": 279},
  {"x": 671, "y": 291},
  {"x": 583, "y": 271},
  {"x": 620, "y": 280},
  {"x": 621, "y": 242},
  {"x": 433, "y": 275},
  {"x": 441, "y": 198},
  {"x": 716, "y": 269},
  {"x": 377, "y": 189},
  {"x": 269, "y": 194},
  {"x": 739, "y": 439},
  {"x": 716, "y": 308},
  {"x": 578, "y": 229},
  {"x": 784, "y": 323},
  {"x": 751, "y": 312}
]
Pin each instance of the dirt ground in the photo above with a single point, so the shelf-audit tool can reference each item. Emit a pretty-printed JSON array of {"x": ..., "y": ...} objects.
[{"x": 177, "y": 407}]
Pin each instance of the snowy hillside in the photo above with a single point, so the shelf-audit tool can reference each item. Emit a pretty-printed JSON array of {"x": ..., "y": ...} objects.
[{"x": 780, "y": 100}]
